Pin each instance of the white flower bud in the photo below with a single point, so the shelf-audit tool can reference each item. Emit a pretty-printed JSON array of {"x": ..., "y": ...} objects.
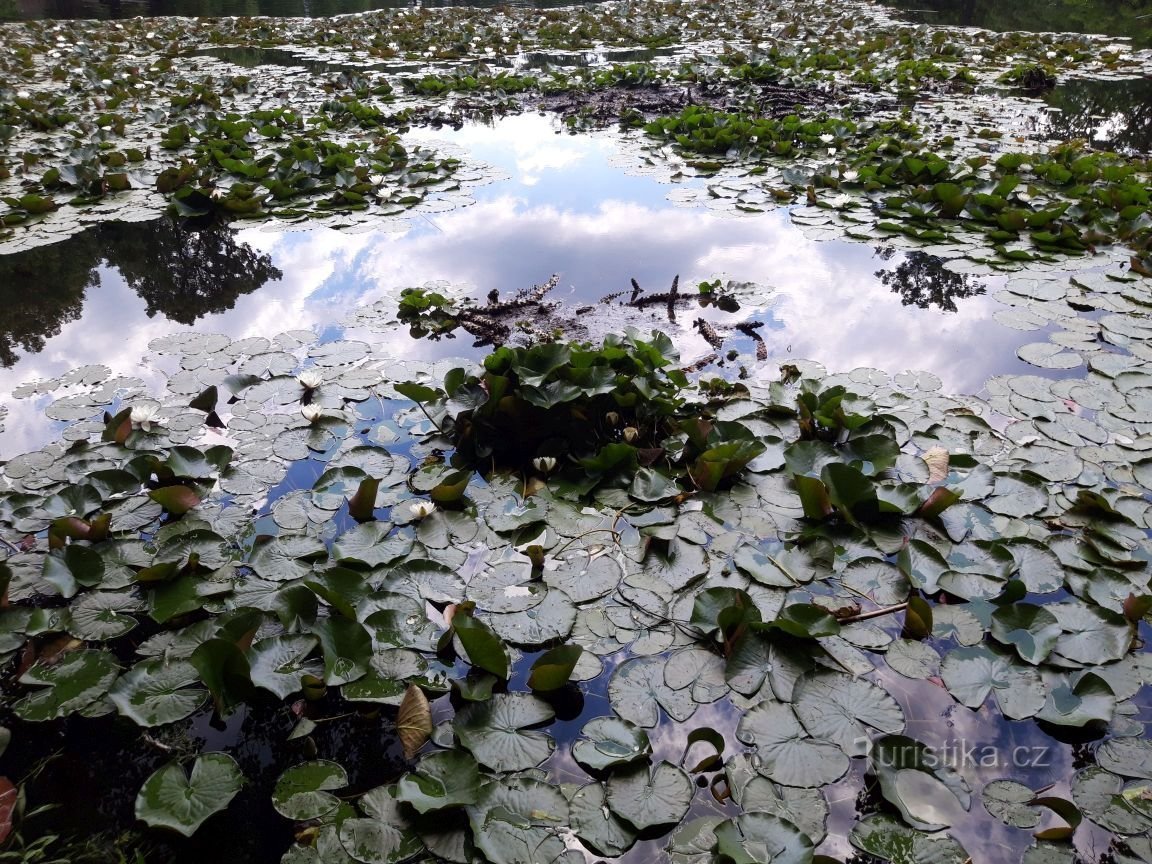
[
  {"x": 544, "y": 464},
  {"x": 631, "y": 433},
  {"x": 312, "y": 413}
]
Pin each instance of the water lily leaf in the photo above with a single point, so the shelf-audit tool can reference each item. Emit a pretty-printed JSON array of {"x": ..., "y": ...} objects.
[
  {"x": 506, "y": 588},
  {"x": 676, "y": 562},
  {"x": 169, "y": 799},
  {"x": 100, "y": 616},
  {"x": 288, "y": 556},
  {"x": 596, "y": 825},
  {"x": 1009, "y": 802},
  {"x": 913, "y": 659},
  {"x": 482, "y": 647},
  {"x": 786, "y": 753},
  {"x": 184, "y": 594},
  {"x": 279, "y": 662},
  {"x": 1032, "y": 630},
  {"x": 78, "y": 680},
  {"x": 552, "y": 619},
  {"x": 762, "y": 838},
  {"x": 1128, "y": 757},
  {"x": 637, "y": 692},
  {"x": 347, "y": 649},
  {"x": 889, "y": 840},
  {"x": 1100, "y": 795},
  {"x": 303, "y": 791},
  {"x": 646, "y": 798},
  {"x": 584, "y": 579},
  {"x": 553, "y": 668},
  {"x": 610, "y": 741},
  {"x": 387, "y": 836},
  {"x": 176, "y": 500},
  {"x": 518, "y": 820},
  {"x": 840, "y": 709},
  {"x": 448, "y": 778},
  {"x": 1091, "y": 635},
  {"x": 224, "y": 668},
  {"x": 1078, "y": 700},
  {"x": 1017, "y": 495},
  {"x": 916, "y": 782},
  {"x": 879, "y": 580},
  {"x": 651, "y": 485},
  {"x": 496, "y": 732},
  {"x": 158, "y": 691},
  {"x": 972, "y": 673}
]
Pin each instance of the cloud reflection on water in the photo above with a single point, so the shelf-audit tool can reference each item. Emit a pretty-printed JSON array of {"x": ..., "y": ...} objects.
[{"x": 598, "y": 227}]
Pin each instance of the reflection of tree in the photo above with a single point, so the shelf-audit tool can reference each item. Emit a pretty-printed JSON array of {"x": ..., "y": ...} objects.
[
  {"x": 41, "y": 290},
  {"x": 921, "y": 280},
  {"x": 183, "y": 272},
  {"x": 180, "y": 271},
  {"x": 1115, "y": 17},
  {"x": 1123, "y": 107}
]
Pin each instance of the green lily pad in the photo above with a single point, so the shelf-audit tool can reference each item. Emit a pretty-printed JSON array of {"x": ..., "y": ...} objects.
[
  {"x": 71, "y": 685},
  {"x": 171, "y": 799},
  {"x": 303, "y": 791}
]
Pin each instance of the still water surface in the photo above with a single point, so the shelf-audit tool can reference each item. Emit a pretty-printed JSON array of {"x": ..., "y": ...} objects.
[{"x": 565, "y": 208}]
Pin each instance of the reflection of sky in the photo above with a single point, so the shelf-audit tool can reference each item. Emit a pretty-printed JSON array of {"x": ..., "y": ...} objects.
[{"x": 565, "y": 209}]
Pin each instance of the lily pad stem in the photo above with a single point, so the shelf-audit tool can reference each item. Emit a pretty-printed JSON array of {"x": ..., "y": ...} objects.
[{"x": 874, "y": 613}]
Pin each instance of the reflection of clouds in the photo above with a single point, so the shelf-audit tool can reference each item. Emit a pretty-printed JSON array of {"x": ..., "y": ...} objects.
[{"x": 829, "y": 306}]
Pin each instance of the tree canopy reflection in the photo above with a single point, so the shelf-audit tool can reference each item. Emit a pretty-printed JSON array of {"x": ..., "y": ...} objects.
[
  {"x": 922, "y": 281},
  {"x": 1113, "y": 17},
  {"x": 181, "y": 270}
]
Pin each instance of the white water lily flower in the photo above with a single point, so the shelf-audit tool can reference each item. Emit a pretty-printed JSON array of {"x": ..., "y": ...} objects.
[
  {"x": 420, "y": 509},
  {"x": 146, "y": 416},
  {"x": 311, "y": 413},
  {"x": 631, "y": 433},
  {"x": 827, "y": 137},
  {"x": 22, "y": 94},
  {"x": 310, "y": 379},
  {"x": 544, "y": 464},
  {"x": 850, "y": 175}
]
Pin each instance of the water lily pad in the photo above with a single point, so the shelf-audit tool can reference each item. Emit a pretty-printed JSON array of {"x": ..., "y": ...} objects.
[
  {"x": 785, "y": 751},
  {"x": 171, "y": 799},
  {"x": 609, "y": 741},
  {"x": 972, "y": 673},
  {"x": 496, "y": 732},
  {"x": 762, "y": 838},
  {"x": 73, "y": 684},
  {"x": 637, "y": 692},
  {"x": 841, "y": 709},
  {"x": 647, "y": 798},
  {"x": 443, "y": 779},
  {"x": 158, "y": 691},
  {"x": 598, "y": 828},
  {"x": 302, "y": 792},
  {"x": 1008, "y": 801}
]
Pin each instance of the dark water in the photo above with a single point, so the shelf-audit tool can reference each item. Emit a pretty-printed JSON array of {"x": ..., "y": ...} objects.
[{"x": 1131, "y": 18}]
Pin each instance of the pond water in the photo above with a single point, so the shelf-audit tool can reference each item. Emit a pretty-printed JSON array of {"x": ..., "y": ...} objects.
[
  {"x": 565, "y": 208},
  {"x": 257, "y": 367}
]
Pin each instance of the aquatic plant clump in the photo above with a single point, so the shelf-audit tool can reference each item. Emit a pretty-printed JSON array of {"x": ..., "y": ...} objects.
[{"x": 791, "y": 557}]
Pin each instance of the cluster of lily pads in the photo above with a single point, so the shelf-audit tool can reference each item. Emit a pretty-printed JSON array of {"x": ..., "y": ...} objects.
[
  {"x": 774, "y": 553},
  {"x": 86, "y": 102}
]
